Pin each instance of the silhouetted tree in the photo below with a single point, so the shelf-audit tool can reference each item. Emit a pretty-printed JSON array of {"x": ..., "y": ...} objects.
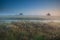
[
  {"x": 21, "y": 14},
  {"x": 48, "y": 14}
]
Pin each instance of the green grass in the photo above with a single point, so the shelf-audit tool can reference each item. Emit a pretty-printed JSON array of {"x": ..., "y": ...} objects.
[{"x": 29, "y": 31}]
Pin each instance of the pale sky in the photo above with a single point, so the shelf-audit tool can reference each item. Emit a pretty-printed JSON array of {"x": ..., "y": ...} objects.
[{"x": 30, "y": 7}]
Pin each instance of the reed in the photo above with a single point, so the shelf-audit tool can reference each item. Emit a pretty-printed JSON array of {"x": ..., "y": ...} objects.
[{"x": 29, "y": 31}]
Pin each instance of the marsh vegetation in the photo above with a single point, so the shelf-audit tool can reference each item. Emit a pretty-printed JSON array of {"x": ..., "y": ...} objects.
[{"x": 26, "y": 30}]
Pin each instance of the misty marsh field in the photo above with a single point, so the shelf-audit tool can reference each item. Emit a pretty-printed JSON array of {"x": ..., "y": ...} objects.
[
  {"x": 25, "y": 30},
  {"x": 29, "y": 30}
]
